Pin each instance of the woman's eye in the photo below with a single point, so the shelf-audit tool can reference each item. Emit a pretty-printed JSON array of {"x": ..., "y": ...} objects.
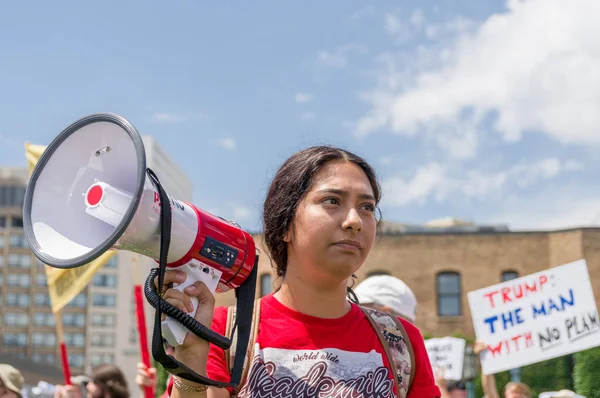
[
  {"x": 369, "y": 207},
  {"x": 331, "y": 201}
]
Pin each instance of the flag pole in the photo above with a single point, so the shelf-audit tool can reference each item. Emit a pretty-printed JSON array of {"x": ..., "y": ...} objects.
[
  {"x": 141, "y": 319},
  {"x": 63, "y": 348}
]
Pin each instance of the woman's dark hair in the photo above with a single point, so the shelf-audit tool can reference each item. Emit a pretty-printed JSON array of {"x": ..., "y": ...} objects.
[
  {"x": 111, "y": 380},
  {"x": 289, "y": 186}
]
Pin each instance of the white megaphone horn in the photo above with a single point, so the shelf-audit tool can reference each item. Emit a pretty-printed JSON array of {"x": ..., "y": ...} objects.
[{"x": 91, "y": 192}]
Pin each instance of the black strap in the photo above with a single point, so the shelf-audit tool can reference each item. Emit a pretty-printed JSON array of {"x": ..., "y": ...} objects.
[{"x": 245, "y": 298}]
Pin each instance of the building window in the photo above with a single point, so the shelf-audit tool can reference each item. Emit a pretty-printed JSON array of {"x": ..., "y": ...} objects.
[
  {"x": 104, "y": 300},
  {"x": 509, "y": 275},
  {"x": 41, "y": 299},
  {"x": 17, "y": 300},
  {"x": 1, "y": 240},
  {"x": 43, "y": 339},
  {"x": 44, "y": 358},
  {"x": 14, "y": 339},
  {"x": 19, "y": 260},
  {"x": 102, "y": 340},
  {"x": 70, "y": 319},
  {"x": 2, "y": 221},
  {"x": 18, "y": 240},
  {"x": 75, "y": 339},
  {"x": 76, "y": 360},
  {"x": 266, "y": 284},
  {"x": 105, "y": 280},
  {"x": 15, "y": 319},
  {"x": 448, "y": 292},
  {"x": 41, "y": 280},
  {"x": 106, "y": 320},
  {"x": 44, "y": 319},
  {"x": 18, "y": 280},
  {"x": 11, "y": 196},
  {"x": 17, "y": 222},
  {"x": 112, "y": 262},
  {"x": 100, "y": 359},
  {"x": 79, "y": 301}
]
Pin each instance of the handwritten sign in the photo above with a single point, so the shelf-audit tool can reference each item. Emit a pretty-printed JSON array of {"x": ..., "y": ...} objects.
[
  {"x": 537, "y": 317},
  {"x": 446, "y": 355}
]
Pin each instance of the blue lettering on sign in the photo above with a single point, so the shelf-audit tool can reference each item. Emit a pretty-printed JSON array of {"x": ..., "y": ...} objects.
[{"x": 551, "y": 306}]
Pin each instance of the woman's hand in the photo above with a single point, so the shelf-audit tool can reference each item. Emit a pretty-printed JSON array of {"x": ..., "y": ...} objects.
[
  {"x": 194, "y": 350},
  {"x": 146, "y": 377}
]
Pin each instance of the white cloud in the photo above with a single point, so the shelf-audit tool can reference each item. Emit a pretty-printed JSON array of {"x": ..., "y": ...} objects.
[
  {"x": 535, "y": 68},
  {"x": 227, "y": 143},
  {"x": 302, "y": 98},
  {"x": 438, "y": 182},
  {"x": 169, "y": 117},
  {"x": 427, "y": 181},
  {"x": 549, "y": 211},
  {"x": 338, "y": 58}
]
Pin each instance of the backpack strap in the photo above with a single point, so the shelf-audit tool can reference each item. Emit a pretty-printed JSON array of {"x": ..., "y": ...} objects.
[
  {"x": 396, "y": 345},
  {"x": 230, "y": 353},
  {"x": 409, "y": 346}
]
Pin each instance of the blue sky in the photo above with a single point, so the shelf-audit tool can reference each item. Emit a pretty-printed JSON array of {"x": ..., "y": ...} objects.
[{"x": 482, "y": 110}]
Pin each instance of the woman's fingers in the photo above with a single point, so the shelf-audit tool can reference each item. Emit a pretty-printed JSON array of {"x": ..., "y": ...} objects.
[{"x": 170, "y": 278}]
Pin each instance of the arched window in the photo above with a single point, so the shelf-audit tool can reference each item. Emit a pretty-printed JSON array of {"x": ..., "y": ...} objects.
[
  {"x": 266, "y": 284},
  {"x": 448, "y": 294},
  {"x": 509, "y": 275}
]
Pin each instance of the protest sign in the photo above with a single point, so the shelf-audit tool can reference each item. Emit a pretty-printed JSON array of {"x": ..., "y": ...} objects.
[
  {"x": 537, "y": 317},
  {"x": 447, "y": 354}
]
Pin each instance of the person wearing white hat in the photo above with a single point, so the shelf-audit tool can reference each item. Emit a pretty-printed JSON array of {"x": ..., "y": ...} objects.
[
  {"x": 11, "y": 382},
  {"x": 389, "y": 294}
]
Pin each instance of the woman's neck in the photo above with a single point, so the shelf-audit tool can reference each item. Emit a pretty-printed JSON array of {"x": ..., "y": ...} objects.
[{"x": 320, "y": 301}]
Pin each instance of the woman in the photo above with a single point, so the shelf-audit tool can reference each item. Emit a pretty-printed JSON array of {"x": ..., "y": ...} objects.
[
  {"x": 319, "y": 227},
  {"x": 107, "y": 381}
]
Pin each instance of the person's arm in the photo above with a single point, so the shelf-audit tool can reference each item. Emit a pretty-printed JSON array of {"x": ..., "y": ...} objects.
[
  {"x": 488, "y": 382},
  {"x": 442, "y": 384},
  {"x": 194, "y": 350}
]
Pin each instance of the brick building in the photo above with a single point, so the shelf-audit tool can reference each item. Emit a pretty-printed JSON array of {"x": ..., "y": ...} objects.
[{"x": 443, "y": 266}]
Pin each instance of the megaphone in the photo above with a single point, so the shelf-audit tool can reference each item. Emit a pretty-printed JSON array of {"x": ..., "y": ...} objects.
[{"x": 91, "y": 192}]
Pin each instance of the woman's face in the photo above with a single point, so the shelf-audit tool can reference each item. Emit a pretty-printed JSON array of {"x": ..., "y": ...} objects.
[
  {"x": 334, "y": 227},
  {"x": 94, "y": 390}
]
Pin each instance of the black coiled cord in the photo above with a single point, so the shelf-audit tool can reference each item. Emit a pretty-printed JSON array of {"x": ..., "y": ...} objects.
[{"x": 183, "y": 318}]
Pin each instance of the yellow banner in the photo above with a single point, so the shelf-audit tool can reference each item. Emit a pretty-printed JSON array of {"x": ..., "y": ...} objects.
[{"x": 65, "y": 284}]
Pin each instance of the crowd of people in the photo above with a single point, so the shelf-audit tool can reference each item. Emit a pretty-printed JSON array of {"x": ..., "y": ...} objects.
[{"x": 320, "y": 221}]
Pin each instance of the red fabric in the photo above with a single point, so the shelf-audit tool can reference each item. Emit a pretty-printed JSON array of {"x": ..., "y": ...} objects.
[{"x": 321, "y": 352}]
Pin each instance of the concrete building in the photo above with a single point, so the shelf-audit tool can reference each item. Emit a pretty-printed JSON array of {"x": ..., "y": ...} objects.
[
  {"x": 442, "y": 265},
  {"x": 100, "y": 323}
]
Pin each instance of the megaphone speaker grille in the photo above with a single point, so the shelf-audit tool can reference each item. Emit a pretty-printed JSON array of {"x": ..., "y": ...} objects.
[{"x": 100, "y": 147}]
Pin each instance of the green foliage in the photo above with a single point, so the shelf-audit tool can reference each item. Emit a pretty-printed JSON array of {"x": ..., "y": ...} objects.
[
  {"x": 162, "y": 376},
  {"x": 587, "y": 373},
  {"x": 552, "y": 375}
]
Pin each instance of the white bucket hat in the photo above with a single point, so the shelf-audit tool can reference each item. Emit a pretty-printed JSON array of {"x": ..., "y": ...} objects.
[{"x": 390, "y": 292}]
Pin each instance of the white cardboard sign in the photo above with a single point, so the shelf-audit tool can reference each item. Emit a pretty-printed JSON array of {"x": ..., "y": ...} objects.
[{"x": 536, "y": 317}]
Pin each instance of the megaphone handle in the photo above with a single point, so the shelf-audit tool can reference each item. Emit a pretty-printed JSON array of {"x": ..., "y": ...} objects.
[{"x": 173, "y": 331}]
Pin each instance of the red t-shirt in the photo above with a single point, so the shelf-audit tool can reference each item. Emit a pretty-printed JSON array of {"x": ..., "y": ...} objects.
[{"x": 298, "y": 355}]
